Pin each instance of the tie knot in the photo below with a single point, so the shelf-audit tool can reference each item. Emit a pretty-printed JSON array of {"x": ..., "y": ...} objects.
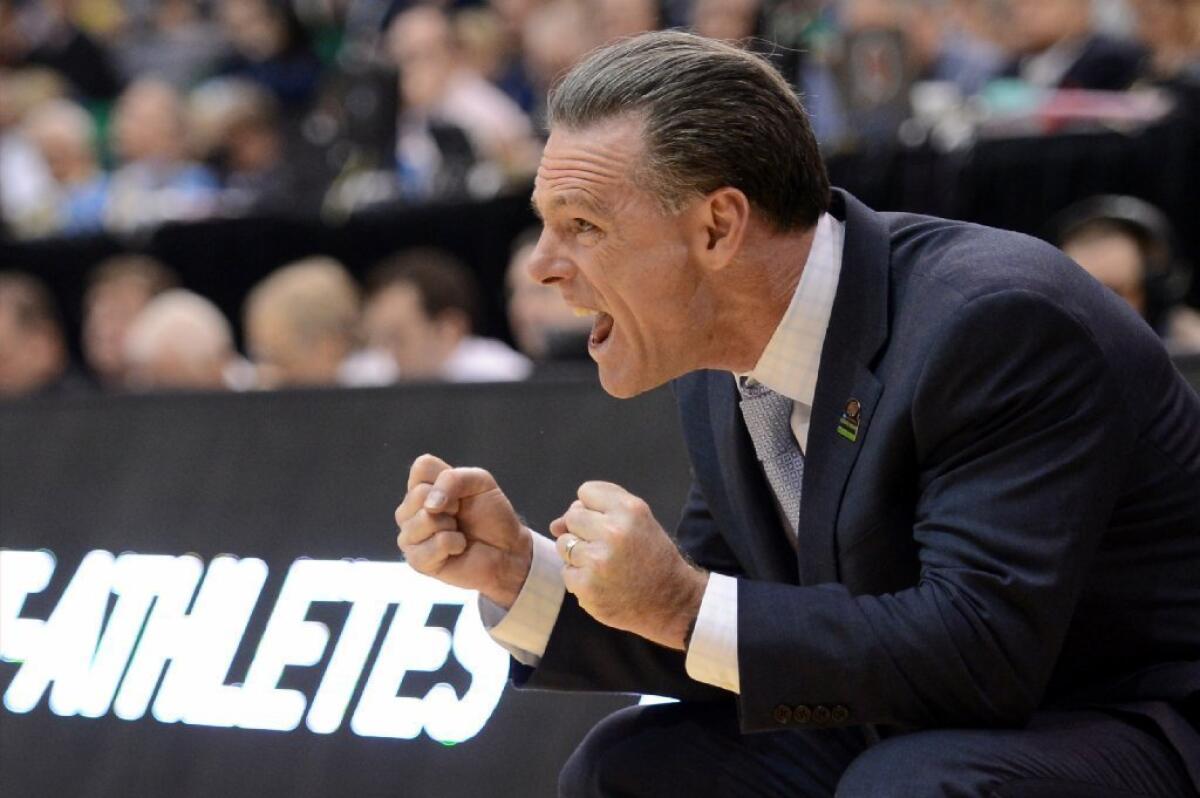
[
  {"x": 768, "y": 417},
  {"x": 751, "y": 388}
]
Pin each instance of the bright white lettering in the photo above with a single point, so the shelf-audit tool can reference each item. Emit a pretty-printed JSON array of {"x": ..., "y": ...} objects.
[
  {"x": 172, "y": 581},
  {"x": 289, "y": 640},
  {"x": 194, "y": 688},
  {"x": 22, "y": 573},
  {"x": 80, "y": 653},
  {"x": 371, "y": 587},
  {"x": 66, "y": 642},
  {"x": 410, "y": 645}
]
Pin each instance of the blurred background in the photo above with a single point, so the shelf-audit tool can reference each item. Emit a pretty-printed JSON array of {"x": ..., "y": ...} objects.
[
  {"x": 260, "y": 211},
  {"x": 252, "y": 194}
]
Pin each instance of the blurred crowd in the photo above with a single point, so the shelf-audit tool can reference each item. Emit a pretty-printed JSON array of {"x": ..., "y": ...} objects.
[
  {"x": 119, "y": 115},
  {"x": 307, "y": 324}
]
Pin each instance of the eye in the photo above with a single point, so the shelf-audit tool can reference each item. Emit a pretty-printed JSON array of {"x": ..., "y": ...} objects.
[{"x": 583, "y": 226}]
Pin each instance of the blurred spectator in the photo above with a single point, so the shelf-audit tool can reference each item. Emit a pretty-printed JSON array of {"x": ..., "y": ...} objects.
[
  {"x": 556, "y": 36},
  {"x": 543, "y": 325},
  {"x": 1059, "y": 48},
  {"x": 421, "y": 309},
  {"x": 457, "y": 133},
  {"x": 238, "y": 130},
  {"x": 616, "y": 19},
  {"x": 157, "y": 181},
  {"x": 1128, "y": 245},
  {"x": 937, "y": 49},
  {"x": 174, "y": 40},
  {"x": 180, "y": 341},
  {"x": 509, "y": 72},
  {"x": 730, "y": 20},
  {"x": 27, "y": 191},
  {"x": 33, "y": 352},
  {"x": 65, "y": 137},
  {"x": 42, "y": 33},
  {"x": 117, "y": 291},
  {"x": 272, "y": 48},
  {"x": 301, "y": 324},
  {"x": 482, "y": 41},
  {"x": 1170, "y": 29}
]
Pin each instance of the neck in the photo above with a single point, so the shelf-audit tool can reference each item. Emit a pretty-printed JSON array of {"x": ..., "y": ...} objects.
[{"x": 755, "y": 292}]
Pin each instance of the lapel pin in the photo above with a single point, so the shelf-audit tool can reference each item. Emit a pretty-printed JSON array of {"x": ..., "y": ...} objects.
[{"x": 848, "y": 423}]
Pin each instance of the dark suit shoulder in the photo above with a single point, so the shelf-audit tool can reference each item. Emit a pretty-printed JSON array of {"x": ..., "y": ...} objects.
[
  {"x": 939, "y": 267},
  {"x": 973, "y": 260}
]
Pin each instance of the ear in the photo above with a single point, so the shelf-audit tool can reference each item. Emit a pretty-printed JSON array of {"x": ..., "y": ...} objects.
[{"x": 721, "y": 219}]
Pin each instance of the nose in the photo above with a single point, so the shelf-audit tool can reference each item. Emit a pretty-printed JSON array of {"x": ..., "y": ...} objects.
[{"x": 546, "y": 265}]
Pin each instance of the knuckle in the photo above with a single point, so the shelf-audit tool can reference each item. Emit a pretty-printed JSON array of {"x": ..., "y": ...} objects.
[{"x": 416, "y": 560}]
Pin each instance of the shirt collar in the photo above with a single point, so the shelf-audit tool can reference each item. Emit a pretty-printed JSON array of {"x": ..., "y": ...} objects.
[{"x": 792, "y": 357}]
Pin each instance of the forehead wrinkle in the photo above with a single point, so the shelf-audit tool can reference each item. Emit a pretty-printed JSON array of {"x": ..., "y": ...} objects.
[{"x": 571, "y": 189}]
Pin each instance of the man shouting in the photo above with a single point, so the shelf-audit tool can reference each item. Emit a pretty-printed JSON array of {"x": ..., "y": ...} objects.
[{"x": 944, "y": 531}]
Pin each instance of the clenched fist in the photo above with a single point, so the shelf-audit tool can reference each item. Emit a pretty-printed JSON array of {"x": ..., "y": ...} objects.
[
  {"x": 624, "y": 569},
  {"x": 457, "y": 526}
]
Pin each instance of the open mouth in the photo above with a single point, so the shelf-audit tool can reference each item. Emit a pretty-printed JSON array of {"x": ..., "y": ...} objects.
[{"x": 602, "y": 327}]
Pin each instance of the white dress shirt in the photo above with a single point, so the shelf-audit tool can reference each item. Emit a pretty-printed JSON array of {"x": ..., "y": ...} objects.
[{"x": 788, "y": 366}]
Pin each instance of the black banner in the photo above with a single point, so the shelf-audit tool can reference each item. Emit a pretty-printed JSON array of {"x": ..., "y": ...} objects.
[{"x": 201, "y": 595}]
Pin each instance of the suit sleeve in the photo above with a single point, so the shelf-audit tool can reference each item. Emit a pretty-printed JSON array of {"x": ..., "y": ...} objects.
[
  {"x": 583, "y": 654},
  {"x": 1020, "y": 431}
]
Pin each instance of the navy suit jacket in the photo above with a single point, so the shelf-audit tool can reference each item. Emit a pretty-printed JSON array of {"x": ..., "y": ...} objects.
[{"x": 1015, "y": 526}]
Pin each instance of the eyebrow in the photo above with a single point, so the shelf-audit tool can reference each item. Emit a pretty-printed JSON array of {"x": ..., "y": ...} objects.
[{"x": 574, "y": 197}]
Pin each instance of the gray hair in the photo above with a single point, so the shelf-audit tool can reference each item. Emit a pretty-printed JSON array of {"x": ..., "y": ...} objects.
[
  {"x": 183, "y": 324},
  {"x": 712, "y": 115}
]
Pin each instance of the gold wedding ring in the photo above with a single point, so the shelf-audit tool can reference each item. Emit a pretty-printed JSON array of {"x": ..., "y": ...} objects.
[{"x": 570, "y": 545}]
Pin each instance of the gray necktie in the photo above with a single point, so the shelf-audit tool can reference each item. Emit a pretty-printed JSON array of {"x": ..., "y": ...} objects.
[{"x": 768, "y": 418}]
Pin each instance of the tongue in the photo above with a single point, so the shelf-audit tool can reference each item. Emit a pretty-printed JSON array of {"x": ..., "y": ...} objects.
[{"x": 601, "y": 328}]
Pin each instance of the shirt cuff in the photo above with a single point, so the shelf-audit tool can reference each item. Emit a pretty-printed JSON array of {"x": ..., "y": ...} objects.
[
  {"x": 712, "y": 655},
  {"x": 524, "y": 630}
]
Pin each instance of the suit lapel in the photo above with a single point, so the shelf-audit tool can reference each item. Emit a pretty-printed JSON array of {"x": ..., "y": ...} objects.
[
  {"x": 858, "y": 327},
  {"x": 750, "y": 497}
]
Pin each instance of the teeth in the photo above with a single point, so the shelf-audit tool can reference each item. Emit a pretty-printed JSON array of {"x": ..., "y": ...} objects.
[{"x": 582, "y": 312}]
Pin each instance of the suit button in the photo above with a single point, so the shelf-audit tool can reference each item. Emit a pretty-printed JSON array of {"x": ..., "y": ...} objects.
[
  {"x": 783, "y": 714},
  {"x": 801, "y": 714},
  {"x": 821, "y": 715},
  {"x": 840, "y": 714}
]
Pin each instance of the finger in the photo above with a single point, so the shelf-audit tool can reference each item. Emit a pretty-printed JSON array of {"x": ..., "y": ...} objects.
[
  {"x": 579, "y": 556},
  {"x": 426, "y": 469},
  {"x": 422, "y": 526},
  {"x": 558, "y": 527},
  {"x": 430, "y": 556},
  {"x": 455, "y": 484},
  {"x": 413, "y": 501},
  {"x": 576, "y": 581},
  {"x": 586, "y": 524},
  {"x": 602, "y": 496}
]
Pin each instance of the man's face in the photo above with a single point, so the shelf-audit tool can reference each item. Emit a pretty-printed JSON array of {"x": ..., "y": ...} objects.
[
  {"x": 394, "y": 321},
  {"x": 609, "y": 248},
  {"x": 146, "y": 126},
  {"x": 29, "y": 358},
  {"x": 109, "y": 309},
  {"x": 281, "y": 355},
  {"x": 1116, "y": 261}
]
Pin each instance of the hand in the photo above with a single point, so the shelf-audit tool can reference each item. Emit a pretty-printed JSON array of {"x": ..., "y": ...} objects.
[
  {"x": 624, "y": 570},
  {"x": 457, "y": 526}
]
